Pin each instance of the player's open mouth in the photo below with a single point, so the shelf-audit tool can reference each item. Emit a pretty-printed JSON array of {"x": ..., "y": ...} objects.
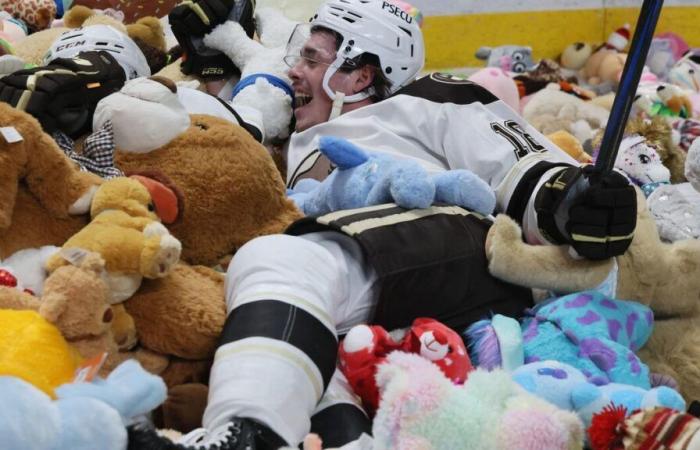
[{"x": 301, "y": 99}]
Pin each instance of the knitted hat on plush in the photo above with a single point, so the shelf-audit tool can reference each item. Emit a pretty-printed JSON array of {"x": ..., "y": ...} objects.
[
  {"x": 652, "y": 428},
  {"x": 619, "y": 38}
]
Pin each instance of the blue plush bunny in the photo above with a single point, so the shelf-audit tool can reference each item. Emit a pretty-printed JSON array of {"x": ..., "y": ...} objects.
[
  {"x": 567, "y": 388},
  {"x": 85, "y": 416},
  {"x": 363, "y": 179}
]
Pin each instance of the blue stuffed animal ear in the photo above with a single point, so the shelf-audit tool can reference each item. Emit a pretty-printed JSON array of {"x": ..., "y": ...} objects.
[{"x": 341, "y": 152}]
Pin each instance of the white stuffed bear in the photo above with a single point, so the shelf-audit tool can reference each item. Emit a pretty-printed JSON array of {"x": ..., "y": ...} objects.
[
  {"x": 676, "y": 207},
  {"x": 264, "y": 83}
]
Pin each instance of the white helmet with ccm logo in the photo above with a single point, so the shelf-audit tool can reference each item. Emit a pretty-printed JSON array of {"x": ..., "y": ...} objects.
[
  {"x": 101, "y": 37},
  {"x": 378, "y": 27}
]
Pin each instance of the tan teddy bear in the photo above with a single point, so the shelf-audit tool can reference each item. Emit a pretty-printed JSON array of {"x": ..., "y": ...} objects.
[
  {"x": 126, "y": 231},
  {"x": 75, "y": 301},
  {"x": 666, "y": 277}
]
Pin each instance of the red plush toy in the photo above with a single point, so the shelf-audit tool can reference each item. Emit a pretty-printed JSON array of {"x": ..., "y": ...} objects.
[{"x": 365, "y": 347}]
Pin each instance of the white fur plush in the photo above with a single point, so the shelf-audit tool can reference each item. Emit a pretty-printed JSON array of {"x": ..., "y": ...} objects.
[
  {"x": 676, "y": 207},
  {"x": 266, "y": 57},
  {"x": 28, "y": 267},
  {"x": 145, "y": 115},
  {"x": 550, "y": 110}
]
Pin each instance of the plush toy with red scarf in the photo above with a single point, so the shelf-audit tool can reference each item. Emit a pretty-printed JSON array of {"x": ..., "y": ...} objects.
[{"x": 365, "y": 347}]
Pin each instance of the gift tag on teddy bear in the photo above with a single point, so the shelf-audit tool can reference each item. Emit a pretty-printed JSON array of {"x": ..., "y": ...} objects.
[
  {"x": 88, "y": 370},
  {"x": 11, "y": 135}
]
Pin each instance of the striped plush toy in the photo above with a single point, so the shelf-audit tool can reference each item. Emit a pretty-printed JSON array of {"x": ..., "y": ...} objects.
[{"x": 645, "y": 429}]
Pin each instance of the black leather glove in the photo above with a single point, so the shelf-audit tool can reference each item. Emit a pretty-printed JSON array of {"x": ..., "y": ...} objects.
[
  {"x": 63, "y": 94},
  {"x": 596, "y": 215},
  {"x": 192, "y": 19}
]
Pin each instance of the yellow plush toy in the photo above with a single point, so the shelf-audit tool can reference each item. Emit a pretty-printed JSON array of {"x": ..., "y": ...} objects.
[
  {"x": 34, "y": 349},
  {"x": 126, "y": 232},
  {"x": 568, "y": 142}
]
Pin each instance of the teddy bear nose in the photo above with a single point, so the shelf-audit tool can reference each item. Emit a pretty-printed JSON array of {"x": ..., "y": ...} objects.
[{"x": 108, "y": 315}]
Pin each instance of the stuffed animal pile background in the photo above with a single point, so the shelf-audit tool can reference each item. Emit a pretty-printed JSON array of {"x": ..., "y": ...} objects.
[{"x": 111, "y": 267}]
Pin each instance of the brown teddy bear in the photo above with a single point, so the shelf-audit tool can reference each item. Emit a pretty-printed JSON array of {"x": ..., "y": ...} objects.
[
  {"x": 666, "y": 277},
  {"x": 75, "y": 300},
  {"x": 233, "y": 192},
  {"x": 147, "y": 33},
  {"x": 604, "y": 67},
  {"x": 44, "y": 194}
]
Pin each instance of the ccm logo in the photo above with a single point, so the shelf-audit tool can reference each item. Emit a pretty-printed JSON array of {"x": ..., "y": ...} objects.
[
  {"x": 397, "y": 11},
  {"x": 69, "y": 45}
]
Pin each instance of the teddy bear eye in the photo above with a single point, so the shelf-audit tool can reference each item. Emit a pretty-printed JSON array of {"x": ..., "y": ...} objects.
[
  {"x": 644, "y": 159},
  {"x": 151, "y": 207},
  {"x": 517, "y": 56}
]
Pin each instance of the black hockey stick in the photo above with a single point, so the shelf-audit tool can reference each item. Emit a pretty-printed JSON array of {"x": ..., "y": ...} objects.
[{"x": 632, "y": 72}]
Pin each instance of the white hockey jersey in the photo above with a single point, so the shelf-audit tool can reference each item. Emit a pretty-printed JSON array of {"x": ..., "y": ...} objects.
[{"x": 444, "y": 123}]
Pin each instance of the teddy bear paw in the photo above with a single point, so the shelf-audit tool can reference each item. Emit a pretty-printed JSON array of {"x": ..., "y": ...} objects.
[
  {"x": 155, "y": 229},
  {"x": 165, "y": 258},
  {"x": 82, "y": 205}
]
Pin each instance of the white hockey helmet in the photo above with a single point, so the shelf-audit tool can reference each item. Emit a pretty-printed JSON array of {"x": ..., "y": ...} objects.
[
  {"x": 377, "y": 27},
  {"x": 101, "y": 37}
]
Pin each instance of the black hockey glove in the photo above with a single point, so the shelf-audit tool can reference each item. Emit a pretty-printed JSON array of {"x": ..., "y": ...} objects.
[
  {"x": 597, "y": 216},
  {"x": 63, "y": 94},
  {"x": 192, "y": 19}
]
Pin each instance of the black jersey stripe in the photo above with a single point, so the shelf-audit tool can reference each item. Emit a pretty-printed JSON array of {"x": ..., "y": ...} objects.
[{"x": 444, "y": 88}]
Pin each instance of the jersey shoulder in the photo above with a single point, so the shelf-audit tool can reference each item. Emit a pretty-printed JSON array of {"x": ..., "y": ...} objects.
[{"x": 446, "y": 88}]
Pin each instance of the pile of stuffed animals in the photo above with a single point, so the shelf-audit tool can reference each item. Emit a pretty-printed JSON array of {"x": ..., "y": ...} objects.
[{"x": 111, "y": 283}]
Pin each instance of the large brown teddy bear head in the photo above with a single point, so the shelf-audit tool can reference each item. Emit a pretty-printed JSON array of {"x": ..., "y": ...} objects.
[{"x": 232, "y": 189}]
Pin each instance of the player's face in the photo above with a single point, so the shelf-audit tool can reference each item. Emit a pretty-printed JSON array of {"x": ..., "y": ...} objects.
[{"x": 312, "y": 104}]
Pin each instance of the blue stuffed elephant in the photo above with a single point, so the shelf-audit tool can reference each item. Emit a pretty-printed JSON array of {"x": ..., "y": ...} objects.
[{"x": 363, "y": 179}]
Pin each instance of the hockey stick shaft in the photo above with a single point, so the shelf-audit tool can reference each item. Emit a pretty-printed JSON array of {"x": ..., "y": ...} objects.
[{"x": 632, "y": 72}]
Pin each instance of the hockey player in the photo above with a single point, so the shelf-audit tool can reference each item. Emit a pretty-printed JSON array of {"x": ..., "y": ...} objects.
[{"x": 290, "y": 296}]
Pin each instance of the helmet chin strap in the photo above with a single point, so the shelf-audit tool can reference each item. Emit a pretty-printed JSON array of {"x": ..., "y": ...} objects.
[{"x": 339, "y": 98}]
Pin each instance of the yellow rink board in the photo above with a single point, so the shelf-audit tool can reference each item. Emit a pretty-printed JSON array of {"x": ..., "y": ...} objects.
[{"x": 451, "y": 41}]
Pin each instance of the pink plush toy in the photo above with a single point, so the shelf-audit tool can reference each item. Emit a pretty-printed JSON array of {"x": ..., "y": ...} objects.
[
  {"x": 500, "y": 84},
  {"x": 10, "y": 30},
  {"x": 365, "y": 347}
]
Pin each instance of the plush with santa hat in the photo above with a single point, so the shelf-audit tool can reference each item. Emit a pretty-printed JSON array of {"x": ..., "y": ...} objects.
[
  {"x": 365, "y": 347},
  {"x": 619, "y": 38}
]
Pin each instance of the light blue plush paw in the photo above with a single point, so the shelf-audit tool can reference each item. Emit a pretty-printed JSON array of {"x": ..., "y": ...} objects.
[
  {"x": 665, "y": 396},
  {"x": 410, "y": 186},
  {"x": 463, "y": 188}
]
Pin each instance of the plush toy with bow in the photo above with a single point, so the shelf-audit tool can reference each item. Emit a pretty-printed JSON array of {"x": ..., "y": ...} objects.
[
  {"x": 365, "y": 347},
  {"x": 363, "y": 178}
]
